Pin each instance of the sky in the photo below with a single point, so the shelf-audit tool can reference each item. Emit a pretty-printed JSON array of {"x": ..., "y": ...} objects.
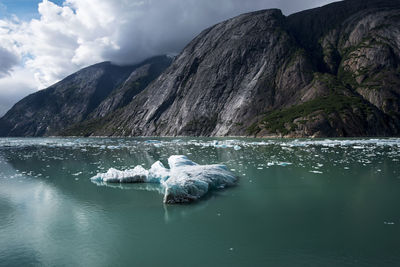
[{"x": 43, "y": 41}]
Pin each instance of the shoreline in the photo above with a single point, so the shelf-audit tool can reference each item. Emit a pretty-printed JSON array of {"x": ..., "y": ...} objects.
[{"x": 209, "y": 137}]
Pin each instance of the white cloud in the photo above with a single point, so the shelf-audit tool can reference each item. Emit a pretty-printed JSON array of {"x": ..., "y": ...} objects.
[
  {"x": 15, "y": 86},
  {"x": 82, "y": 32}
]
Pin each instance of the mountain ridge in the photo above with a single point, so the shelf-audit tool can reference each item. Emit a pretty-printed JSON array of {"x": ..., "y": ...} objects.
[
  {"x": 332, "y": 71},
  {"x": 79, "y": 97}
]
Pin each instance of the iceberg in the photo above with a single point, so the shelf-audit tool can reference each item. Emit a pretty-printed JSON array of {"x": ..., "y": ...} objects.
[
  {"x": 180, "y": 161},
  {"x": 158, "y": 173},
  {"x": 189, "y": 181},
  {"x": 136, "y": 175},
  {"x": 185, "y": 181}
]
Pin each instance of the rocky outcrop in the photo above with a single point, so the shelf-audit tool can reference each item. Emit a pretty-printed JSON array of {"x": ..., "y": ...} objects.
[
  {"x": 93, "y": 92},
  {"x": 329, "y": 71},
  {"x": 264, "y": 74},
  {"x": 142, "y": 75},
  {"x": 216, "y": 82}
]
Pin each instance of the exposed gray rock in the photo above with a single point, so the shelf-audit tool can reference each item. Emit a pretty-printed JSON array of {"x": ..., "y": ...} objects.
[
  {"x": 329, "y": 71},
  {"x": 224, "y": 77},
  {"x": 266, "y": 74},
  {"x": 141, "y": 76},
  {"x": 90, "y": 93}
]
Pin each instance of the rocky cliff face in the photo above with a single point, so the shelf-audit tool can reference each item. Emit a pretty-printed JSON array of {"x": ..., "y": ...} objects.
[
  {"x": 222, "y": 78},
  {"x": 90, "y": 93},
  {"x": 330, "y": 71}
]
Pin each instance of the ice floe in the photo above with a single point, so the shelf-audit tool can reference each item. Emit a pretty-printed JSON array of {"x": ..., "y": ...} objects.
[
  {"x": 283, "y": 164},
  {"x": 136, "y": 175},
  {"x": 185, "y": 181},
  {"x": 158, "y": 173},
  {"x": 316, "y": 172}
]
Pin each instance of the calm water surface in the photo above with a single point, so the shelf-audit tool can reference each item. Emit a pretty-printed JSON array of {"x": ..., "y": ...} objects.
[{"x": 297, "y": 203}]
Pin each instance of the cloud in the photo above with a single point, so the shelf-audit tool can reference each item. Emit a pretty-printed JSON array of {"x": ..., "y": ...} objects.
[
  {"x": 79, "y": 33},
  {"x": 15, "y": 86},
  {"x": 7, "y": 61}
]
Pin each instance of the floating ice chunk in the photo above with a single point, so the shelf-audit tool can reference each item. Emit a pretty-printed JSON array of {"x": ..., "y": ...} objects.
[
  {"x": 389, "y": 223},
  {"x": 284, "y": 164},
  {"x": 224, "y": 144},
  {"x": 136, "y": 175},
  {"x": 221, "y": 146},
  {"x": 179, "y": 161},
  {"x": 185, "y": 181},
  {"x": 191, "y": 182},
  {"x": 152, "y": 142},
  {"x": 155, "y": 143},
  {"x": 158, "y": 173}
]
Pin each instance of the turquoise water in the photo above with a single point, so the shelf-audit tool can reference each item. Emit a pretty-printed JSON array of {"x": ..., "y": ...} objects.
[{"x": 297, "y": 203}]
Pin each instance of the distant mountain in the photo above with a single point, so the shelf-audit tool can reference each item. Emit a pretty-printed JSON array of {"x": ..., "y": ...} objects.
[
  {"x": 329, "y": 71},
  {"x": 90, "y": 93}
]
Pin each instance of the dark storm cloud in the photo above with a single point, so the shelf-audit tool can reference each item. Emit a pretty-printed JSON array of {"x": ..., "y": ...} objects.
[
  {"x": 7, "y": 61},
  {"x": 160, "y": 27}
]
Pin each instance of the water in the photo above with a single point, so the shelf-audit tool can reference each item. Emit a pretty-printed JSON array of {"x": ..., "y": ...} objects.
[{"x": 297, "y": 203}]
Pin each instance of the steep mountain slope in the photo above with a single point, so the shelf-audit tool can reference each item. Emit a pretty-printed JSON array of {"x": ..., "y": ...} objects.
[
  {"x": 331, "y": 71},
  {"x": 90, "y": 93}
]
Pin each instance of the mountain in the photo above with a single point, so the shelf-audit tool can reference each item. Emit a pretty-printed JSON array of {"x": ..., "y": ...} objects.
[
  {"x": 324, "y": 72},
  {"x": 330, "y": 71},
  {"x": 93, "y": 92}
]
